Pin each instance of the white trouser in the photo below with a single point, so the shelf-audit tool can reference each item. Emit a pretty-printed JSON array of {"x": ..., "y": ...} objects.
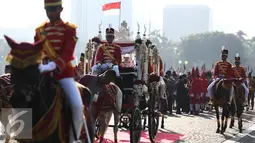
[
  {"x": 246, "y": 90},
  {"x": 76, "y": 105},
  {"x": 210, "y": 87},
  {"x": 104, "y": 67}
]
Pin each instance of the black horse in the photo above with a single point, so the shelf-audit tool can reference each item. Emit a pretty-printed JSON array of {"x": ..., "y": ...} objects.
[{"x": 51, "y": 114}]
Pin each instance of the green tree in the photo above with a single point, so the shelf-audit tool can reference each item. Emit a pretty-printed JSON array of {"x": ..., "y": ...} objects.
[{"x": 206, "y": 47}]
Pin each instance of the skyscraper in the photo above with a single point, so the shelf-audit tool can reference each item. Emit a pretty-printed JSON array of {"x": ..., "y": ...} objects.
[{"x": 183, "y": 20}]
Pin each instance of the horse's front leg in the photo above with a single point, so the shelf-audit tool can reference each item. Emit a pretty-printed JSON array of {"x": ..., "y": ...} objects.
[
  {"x": 218, "y": 118},
  {"x": 104, "y": 122},
  {"x": 163, "y": 121},
  {"x": 224, "y": 119},
  {"x": 115, "y": 129},
  {"x": 232, "y": 116},
  {"x": 240, "y": 119}
]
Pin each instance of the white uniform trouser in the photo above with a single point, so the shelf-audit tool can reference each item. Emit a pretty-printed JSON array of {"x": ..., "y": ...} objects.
[
  {"x": 210, "y": 89},
  {"x": 104, "y": 67},
  {"x": 76, "y": 105},
  {"x": 246, "y": 90}
]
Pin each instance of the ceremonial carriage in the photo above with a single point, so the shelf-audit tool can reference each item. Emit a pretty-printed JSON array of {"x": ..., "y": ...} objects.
[{"x": 140, "y": 90}]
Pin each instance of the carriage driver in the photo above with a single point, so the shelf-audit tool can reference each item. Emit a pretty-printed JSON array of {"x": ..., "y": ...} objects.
[
  {"x": 239, "y": 72},
  {"x": 108, "y": 55},
  {"x": 223, "y": 69},
  {"x": 60, "y": 40}
]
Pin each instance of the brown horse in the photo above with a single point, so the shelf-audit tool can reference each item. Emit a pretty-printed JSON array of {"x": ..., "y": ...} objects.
[
  {"x": 237, "y": 105},
  {"x": 221, "y": 98},
  {"x": 107, "y": 100},
  {"x": 51, "y": 113}
]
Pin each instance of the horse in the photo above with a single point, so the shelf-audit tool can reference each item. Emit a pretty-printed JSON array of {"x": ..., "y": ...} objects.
[
  {"x": 31, "y": 89},
  {"x": 251, "y": 93},
  {"x": 221, "y": 98},
  {"x": 237, "y": 105},
  {"x": 107, "y": 100}
]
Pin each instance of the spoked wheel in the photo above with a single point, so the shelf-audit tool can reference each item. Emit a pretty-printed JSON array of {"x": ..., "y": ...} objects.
[
  {"x": 136, "y": 126},
  {"x": 153, "y": 118},
  {"x": 97, "y": 128}
]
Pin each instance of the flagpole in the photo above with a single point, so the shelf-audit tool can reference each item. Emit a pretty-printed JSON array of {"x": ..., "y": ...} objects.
[{"x": 120, "y": 16}]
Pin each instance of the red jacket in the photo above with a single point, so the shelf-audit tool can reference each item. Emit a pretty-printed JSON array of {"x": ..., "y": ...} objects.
[
  {"x": 223, "y": 69},
  {"x": 204, "y": 84},
  {"x": 62, "y": 40},
  {"x": 239, "y": 72},
  {"x": 108, "y": 52},
  {"x": 195, "y": 86}
]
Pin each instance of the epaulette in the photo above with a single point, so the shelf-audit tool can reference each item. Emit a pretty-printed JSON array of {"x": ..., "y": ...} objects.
[
  {"x": 116, "y": 45},
  {"x": 42, "y": 25},
  {"x": 70, "y": 25}
]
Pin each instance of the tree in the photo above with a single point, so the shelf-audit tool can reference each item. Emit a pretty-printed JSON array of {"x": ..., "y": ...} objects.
[{"x": 206, "y": 47}]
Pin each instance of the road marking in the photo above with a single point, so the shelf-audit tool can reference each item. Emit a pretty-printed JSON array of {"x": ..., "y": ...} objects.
[{"x": 239, "y": 136}]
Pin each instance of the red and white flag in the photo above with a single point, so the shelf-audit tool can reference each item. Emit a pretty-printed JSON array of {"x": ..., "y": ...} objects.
[{"x": 111, "y": 8}]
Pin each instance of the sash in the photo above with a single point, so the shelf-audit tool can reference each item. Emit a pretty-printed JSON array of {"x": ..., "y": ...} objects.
[
  {"x": 221, "y": 68},
  {"x": 108, "y": 53},
  {"x": 237, "y": 73}
]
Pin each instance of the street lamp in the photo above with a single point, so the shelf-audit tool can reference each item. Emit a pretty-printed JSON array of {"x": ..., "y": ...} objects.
[
  {"x": 180, "y": 62},
  {"x": 186, "y": 62}
]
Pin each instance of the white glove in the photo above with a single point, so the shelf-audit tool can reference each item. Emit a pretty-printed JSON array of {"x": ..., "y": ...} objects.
[
  {"x": 110, "y": 65},
  {"x": 191, "y": 95},
  {"x": 48, "y": 68}
]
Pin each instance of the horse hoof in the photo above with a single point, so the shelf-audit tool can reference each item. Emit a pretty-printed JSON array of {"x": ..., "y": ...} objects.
[
  {"x": 162, "y": 126},
  {"x": 222, "y": 132},
  {"x": 231, "y": 127},
  {"x": 218, "y": 131},
  {"x": 240, "y": 130}
]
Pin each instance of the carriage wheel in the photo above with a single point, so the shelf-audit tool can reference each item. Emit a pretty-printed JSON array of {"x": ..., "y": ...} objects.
[
  {"x": 97, "y": 128},
  {"x": 136, "y": 126},
  {"x": 153, "y": 118}
]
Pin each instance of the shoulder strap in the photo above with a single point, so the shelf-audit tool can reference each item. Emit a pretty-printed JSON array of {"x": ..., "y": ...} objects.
[{"x": 108, "y": 53}]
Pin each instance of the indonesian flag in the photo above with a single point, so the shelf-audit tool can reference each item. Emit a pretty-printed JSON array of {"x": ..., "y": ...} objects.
[{"x": 111, "y": 8}]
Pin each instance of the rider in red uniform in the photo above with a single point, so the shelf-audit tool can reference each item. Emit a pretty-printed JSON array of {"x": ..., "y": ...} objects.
[
  {"x": 223, "y": 69},
  {"x": 239, "y": 72},
  {"x": 108, "y": 54},
  {"x": 59, "y": 47}
]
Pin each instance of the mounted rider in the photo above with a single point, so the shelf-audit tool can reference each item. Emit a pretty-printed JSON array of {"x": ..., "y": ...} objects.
[
  {"x": 239, "y": 72},
  {"x": 108, "y": 55},
  {"x": 222, "y": 69},
  {"x": 60, "y": 40}
]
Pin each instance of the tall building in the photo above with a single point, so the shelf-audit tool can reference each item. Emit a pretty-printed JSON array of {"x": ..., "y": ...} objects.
[{"x": 183, "y": 20}]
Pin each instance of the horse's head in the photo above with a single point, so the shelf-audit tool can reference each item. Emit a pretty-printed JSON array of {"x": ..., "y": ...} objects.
[{"x": 24, "y": 59}]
